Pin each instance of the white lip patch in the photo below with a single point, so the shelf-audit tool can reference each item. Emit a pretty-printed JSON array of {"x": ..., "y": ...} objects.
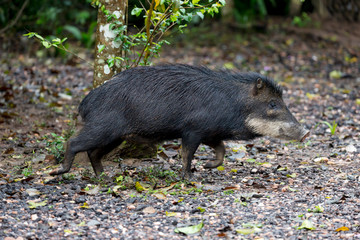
[{"x": 264, "y": 127}]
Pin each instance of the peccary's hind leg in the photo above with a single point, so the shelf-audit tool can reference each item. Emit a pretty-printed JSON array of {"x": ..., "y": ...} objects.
[
  {"x": 219, "y": 152},
  {"x": 96, "y": 155},
  {"x": 68, "y": 160},
  {"x": 89, "y": 139}
]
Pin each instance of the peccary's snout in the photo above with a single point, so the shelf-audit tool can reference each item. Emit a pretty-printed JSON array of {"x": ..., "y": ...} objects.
[{"x": 287, "y": 130}]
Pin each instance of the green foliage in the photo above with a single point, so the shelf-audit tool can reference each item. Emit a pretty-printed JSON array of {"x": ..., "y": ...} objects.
[
  {"x": 155, "y": 174},
  {"x": 55, "y": 145},
  {"x": 35, "y": 204},
  {"x": 28, "y": 171},
  {"x": 302, "y": 21},
  {"x": 332, "y": 126},
  {"x": 124, "y": 182},
  {"x": 47, "y": 17},
  {"x": 228, "y": 192},
  {"x": 56, "y": 42},
  {"x": 159, "y": 17},
  {"x": 140, "y": 47},
  {"x": 190, "y": 229},
  {"x": 247, "y": 11},
  {"x": 307, "y": 224},
  {"x": 249, "y": 228},
  {"x": 317, "y": 209},
  {"x": 86, "y": 38}
]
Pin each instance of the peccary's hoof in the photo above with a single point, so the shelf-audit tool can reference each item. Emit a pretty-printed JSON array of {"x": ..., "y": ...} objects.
[
  {"x": 188, "y": 176},
  {"x": 58, "y": 171},
  {"x": 213, "y": 164}
]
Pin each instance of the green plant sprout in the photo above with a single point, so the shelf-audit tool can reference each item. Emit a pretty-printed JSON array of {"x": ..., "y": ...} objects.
[{"x": 332, "y": 126}]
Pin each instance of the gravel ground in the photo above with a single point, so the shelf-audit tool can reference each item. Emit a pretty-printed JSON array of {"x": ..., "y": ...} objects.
[{"x": 268, "y": 189}]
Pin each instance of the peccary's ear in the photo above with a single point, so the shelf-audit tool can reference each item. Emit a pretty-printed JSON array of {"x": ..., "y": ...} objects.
[{"x": 258, "y": 85}]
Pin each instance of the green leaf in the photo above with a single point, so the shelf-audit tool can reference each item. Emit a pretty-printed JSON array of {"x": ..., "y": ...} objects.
[
  {"x": 317, "y": 209},
  {"x": 111, "y": 62},
  {"x": 335, "y": 74},
  {"x": 56, "y": 41},
  {"x": 157, "y": 2},
  {"x": 85, "y": 205},
  {"x": 101, "y": 48},
  {"x": 195, "y": 1},
  {"x": 251, "y": 160},
  {"x": 201, "y": 209},
  {"x": 190, "y": 230},
  {"x": 229, "y": 65},
  {"x": 293, "y": 189},
  {"x": 247, "y": 231},
  {"x": 33, "y": 204},
  {"x": 82, "y": 224},
  {"x": 174, "y": 17},
  {"x": 171, "y": 214},
  {"x": 136, "y": 11},
  {"x": 262, "y": 8},
  {"x": 252, "y": 225},
  {"x": 138, "y": 187},
  {"x": 30, "y": 34},
  {"x": 200, "y": 14},
  {"x": 46, "y": 44},
  {"x": 74, "y": 31},
  {"x": 291, "y": 175},
  {"x": 220, "y": 168},
  {"x": 307, "y": 224},
  {"x": 38, "y": 36}
]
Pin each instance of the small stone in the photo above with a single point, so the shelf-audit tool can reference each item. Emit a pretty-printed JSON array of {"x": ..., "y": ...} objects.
[
  {"x": 321, "y": 159},
  {"x": 93, "y": 223},
  {"x": 131, "y": 207},
  {"x": 39, "y": 158},
  {"x": 32, "y": 192},
  {"x": 351, "y": 148},
  {"x": 149, "y": 210},
  {"x": 65, "y": 96}
]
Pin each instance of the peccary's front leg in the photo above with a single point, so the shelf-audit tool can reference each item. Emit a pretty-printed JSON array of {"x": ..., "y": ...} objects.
[{"x": 190, "y": 143}]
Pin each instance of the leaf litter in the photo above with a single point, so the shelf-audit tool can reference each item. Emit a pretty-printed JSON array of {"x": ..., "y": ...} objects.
[{"x": 268, "y": 182}]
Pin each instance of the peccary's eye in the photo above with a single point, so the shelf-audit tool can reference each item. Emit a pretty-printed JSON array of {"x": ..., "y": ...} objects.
[{"x": 272, "y": 105}]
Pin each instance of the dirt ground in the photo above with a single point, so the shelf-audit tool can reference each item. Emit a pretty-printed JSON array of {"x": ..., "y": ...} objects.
[{"x": 267, "y": 189}]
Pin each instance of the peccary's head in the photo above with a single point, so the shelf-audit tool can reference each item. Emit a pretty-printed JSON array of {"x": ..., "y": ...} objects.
[{"x": 267, "y": 113}]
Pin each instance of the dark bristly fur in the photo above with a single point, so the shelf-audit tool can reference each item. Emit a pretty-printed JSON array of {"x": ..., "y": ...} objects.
[{"x": 175, "y": 101}]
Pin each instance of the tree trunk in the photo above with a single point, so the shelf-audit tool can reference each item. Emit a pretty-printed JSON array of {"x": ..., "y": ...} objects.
[
  {"x": 227, "y": 12},
  {"x": 105, "y": 41},
  {"x": 320, "y": 8},
  {"x": 294, "y": 7}
]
